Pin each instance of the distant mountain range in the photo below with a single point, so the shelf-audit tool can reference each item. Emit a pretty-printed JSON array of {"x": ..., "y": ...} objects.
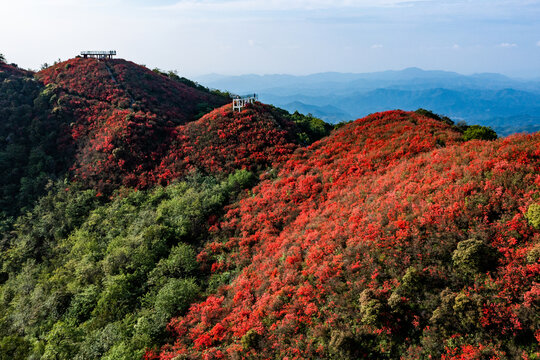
[{"x": 508, "y": 105}]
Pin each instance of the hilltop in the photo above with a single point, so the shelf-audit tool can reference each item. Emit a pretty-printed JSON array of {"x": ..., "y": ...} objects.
[{"x": 125, "y": 85}]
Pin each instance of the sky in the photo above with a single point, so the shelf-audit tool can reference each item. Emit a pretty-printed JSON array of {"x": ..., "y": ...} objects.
[{"x": 298, "y": 37}]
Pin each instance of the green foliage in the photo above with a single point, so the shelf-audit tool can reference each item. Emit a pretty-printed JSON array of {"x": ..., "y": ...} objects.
[
  {"x": 470, "y": 132},
  {"x": 2, "y": 58},
  {"x": 533, "y": 215},
  {"x": 430, "y": 114},
  {"x": 456, "y": 313},
  {"x": 473, "y": 256},
  {"x": 533, "y": 255},
  {"x": 175, "y": 296},
  {"x": 370, "y": 307},
  {"x": 118, "y": 297},
  {"x": 411, "y": 288},
  {"x": 250, "y": 340},
  {"x": 29, "y": 136},
  {"x": 97, "y": 280},
  {"x": 310, "y": 128},
  {"x": 54, "y": 217},
  {"x": 479, "y": 133},
  {"x": 14, "y": 347},
  {"x": 181, "y": 262},
  {"x": 83, "y": 303},
  {"x": 61, "y": 341}
]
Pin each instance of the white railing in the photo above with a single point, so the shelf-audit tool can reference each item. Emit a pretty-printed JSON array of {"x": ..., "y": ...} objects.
[
  {"x": 104, "y": 53},
  {"x": 99, "y": 54},
  {"x": 240, "y": 101}
]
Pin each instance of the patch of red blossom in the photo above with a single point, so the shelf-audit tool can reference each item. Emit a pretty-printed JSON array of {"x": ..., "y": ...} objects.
[
  {"x": 324, "y": 251},
  {"x": 471, "y": 352}
]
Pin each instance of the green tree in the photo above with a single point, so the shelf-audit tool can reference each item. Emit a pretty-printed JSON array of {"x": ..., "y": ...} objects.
[
  {"x": 479, "y": 133},
  {"x": 14, "y": 347},
  {"x": 533, "y": 215},
  {"x": 473, "y": 256},
  {"x": 430, "y": 114},
  {"x": 61, "y": 342},
  {"x": 176, "y": 296}
]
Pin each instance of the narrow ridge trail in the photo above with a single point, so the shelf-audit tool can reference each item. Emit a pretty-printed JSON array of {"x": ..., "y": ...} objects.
[{"x": 131, "y": 99}]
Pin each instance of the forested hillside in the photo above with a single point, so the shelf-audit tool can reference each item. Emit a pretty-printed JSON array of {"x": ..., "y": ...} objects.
[{"x": 143, "y": 218}]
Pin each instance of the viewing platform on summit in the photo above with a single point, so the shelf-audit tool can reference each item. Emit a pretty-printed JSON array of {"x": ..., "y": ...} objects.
[
  {"x": 98, "y": 54},
  {"x": 240, "y": 101}
]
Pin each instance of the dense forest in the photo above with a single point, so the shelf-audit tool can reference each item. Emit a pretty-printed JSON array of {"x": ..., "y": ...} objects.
[{"x": 143, "y": 218}]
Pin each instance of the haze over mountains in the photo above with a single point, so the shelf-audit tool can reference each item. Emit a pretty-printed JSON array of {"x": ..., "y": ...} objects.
[{"x": 507, "y": 105}]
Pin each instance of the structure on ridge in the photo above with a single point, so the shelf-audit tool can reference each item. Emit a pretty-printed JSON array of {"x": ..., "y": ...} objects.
[
  {"x": 240, "y": 101},
  {"x": 99, "y": 54}
]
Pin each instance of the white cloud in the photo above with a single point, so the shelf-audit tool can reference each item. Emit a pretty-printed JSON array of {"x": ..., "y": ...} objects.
[
  {"x": 456, "y": 47},
  {"x": 377, "y": 46},
  {"x": 279, "y": 5},
  {"x": 507, "y": 45},
  {"x": 538, "y": 43}
]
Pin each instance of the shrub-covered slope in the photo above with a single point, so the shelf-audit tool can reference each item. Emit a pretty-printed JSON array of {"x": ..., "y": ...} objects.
[
  {"x": 105, "y": 123},
  {"x": 113, "y": 123},
  {"x": 121, "y": 116},
  {"x": 134, "y": 127},
  {"x": 32, "y": 144},
  {"x": 125, "y": 84},
  {"x": 391, "y": 238},
  {"x": 83, "y": 278}
]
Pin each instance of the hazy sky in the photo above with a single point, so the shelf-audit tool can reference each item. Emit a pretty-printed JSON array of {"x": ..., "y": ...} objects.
[{"x": 280, "y": 36}]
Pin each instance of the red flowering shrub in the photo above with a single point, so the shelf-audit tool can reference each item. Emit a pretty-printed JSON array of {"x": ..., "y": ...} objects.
[{"x": 370, "y": 244}]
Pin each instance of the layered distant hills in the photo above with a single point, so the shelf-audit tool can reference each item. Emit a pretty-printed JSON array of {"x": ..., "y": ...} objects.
[
  {"x": 507, "y": 105},
  {"x": 142, "y": 218}
]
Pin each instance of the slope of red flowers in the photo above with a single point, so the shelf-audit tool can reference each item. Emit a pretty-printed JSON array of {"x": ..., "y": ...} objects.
[
  {"x": 224, "y": 140},
  {"x": 374, "y": 243},
  {"x": 124, "y": 84},
  {"x": 125, "y": 119}
]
